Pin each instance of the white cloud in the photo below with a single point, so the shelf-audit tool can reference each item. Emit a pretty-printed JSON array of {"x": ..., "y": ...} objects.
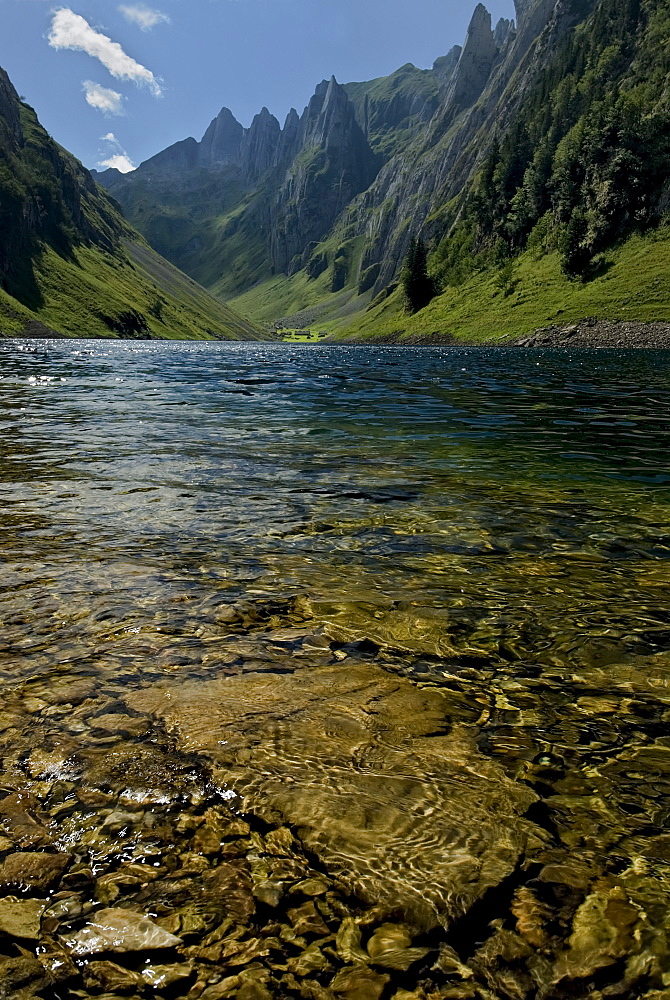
[
  {"x": 102, "y": 99},
  {"x": 145, "y": 17},
  {"x": 118, "y": 159},
  {"x": 118, "y": 162},
  {"x": 72, "y": 31}
]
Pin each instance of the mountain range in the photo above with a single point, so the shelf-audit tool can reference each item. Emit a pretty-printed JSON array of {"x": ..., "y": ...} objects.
[
  {"x": 557, "y": 119},
  {"x": 243, "y": 205},
  {"x": 533, "y": 161}
]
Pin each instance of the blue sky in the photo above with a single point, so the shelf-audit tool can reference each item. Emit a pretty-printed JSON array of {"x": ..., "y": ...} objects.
[{"x": 161, "y": 70}]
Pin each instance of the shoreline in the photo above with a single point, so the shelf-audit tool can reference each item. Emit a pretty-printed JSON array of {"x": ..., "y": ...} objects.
[
  {"x": 652, "y": 335},
  {"x": 587, "y": 333}
]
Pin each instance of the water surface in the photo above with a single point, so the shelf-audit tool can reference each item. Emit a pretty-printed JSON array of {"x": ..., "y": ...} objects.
[{"x": 463, "y": 552}]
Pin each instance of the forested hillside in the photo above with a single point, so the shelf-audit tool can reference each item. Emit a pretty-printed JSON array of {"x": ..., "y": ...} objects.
[
  {"x": 70, "y": 264},
  {"x": 586, "y": 161},
  {"x": 565, "y": 218}
]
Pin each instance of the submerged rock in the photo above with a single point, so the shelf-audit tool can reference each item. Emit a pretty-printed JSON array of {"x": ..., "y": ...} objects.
[
  {"x": 32, "y": 873},
  {"x": 116, "y": 930},
  {"x": 110, "y": 976},
  {"x": 23, "y": 821},
  {"x": 390, "y": 947},
  {"x": 22, "y": 978},
  {"x": 21, "y": 918},
  {"x": 160, "y": 977},
  {"x": 359, "y": 983},
  {"x": 399, "y": 807}
]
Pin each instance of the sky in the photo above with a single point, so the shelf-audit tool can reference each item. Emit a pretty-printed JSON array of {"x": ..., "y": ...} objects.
[{"x": 115, "y": 82}]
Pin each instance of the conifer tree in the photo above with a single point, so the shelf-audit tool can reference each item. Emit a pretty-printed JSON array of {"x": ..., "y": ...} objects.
[
  {"x": 417, "y": 284},
  {"x": 576, "y": 255}
]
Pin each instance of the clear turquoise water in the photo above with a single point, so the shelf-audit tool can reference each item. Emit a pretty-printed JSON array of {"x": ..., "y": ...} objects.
[
  {"x": 493, "y": 526},
  {"x": 130, "y": 471}
]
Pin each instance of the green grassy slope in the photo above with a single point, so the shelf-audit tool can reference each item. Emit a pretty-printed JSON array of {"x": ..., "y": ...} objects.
[
  {"x": 79, "y": 290},
  {"x": 208, "y": 226},
  {"x": 71, "y": 265},
  {"x": 633, "y": 284},
  {"x": 300, "y": 301}
]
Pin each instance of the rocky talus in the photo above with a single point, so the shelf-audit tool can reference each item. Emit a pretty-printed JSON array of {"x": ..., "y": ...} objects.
[{"x": 599, "y": 333}]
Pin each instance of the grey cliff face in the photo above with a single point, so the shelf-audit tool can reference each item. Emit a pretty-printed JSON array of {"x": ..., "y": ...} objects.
[
  {"x": 505, "y": 29},
  {"x": 332, "y": 128},
  {"x": 289, "y": 142},
  {"x": 523, "y": 9},
  {"x": 475, "y": 63},
  {"x": 259, "y": 145},
  {"x": 445, "y": 66},
  {"x": 221, "y": 142},
  {"x": 335, "y": 165},
  {"x": 9, "y": 109}
]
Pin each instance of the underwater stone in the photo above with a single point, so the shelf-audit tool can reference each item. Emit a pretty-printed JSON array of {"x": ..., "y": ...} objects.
[
  {"x": 391, "y": 796},
  {"x": 21, "y": 918},
  {"x": 23, "y": 821},
  {"x": 390, "y": 948},
  {"x": 348, "y": 942},
  {"x": 117, "y": 930},
  {"x": 109, "y": 976},
  {"x": 162, "y": 976},
  {"x": 359, "y": 983},
  {"x": 32, "y": 873}
]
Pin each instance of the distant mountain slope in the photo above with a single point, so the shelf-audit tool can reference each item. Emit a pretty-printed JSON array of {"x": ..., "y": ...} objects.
[
  {"x": 244, "y": 205},
  {"x": 576, "y": 188},
  {"x": 71, "y": 265},
  {"x": 489, "y": 154}
]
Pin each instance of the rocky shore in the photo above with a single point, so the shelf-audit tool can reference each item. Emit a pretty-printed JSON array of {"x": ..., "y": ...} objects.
[
  {"x": 587, "y": 333},
  {"x": 599, "y": 333}
]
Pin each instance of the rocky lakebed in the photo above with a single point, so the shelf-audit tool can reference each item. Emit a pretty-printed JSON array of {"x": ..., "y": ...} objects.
[{"x": 315, "y": 819}]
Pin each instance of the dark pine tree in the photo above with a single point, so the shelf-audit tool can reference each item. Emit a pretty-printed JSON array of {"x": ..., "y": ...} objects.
[
  {"x": 576, "y": 255},
  {"x": 418, "y": 286}
]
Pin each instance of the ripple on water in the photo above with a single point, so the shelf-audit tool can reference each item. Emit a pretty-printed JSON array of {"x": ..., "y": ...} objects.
[{"x": 351, "y": 685}]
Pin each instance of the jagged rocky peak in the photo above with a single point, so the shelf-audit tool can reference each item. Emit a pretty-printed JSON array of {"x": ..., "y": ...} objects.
[
  {"x": 475, "y": 63},
  {"x": 259, "y": 144},
  {"x": 444, "y": 67},
  {"x": 175, "y": 159},
  {"x": 330, "y": 116},
  {"x": 292, "y": 122},
  {"x": 221, "y": 142},
  {"x": 310, "y": 115},
  {"x": 337, "y": 113},
  {"x": 504, "y": 30},
  {"x": 289, "y": 141}
]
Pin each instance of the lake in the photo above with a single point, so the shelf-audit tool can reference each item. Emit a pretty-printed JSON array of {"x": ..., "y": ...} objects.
[{"x": 334, "y": 671}]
